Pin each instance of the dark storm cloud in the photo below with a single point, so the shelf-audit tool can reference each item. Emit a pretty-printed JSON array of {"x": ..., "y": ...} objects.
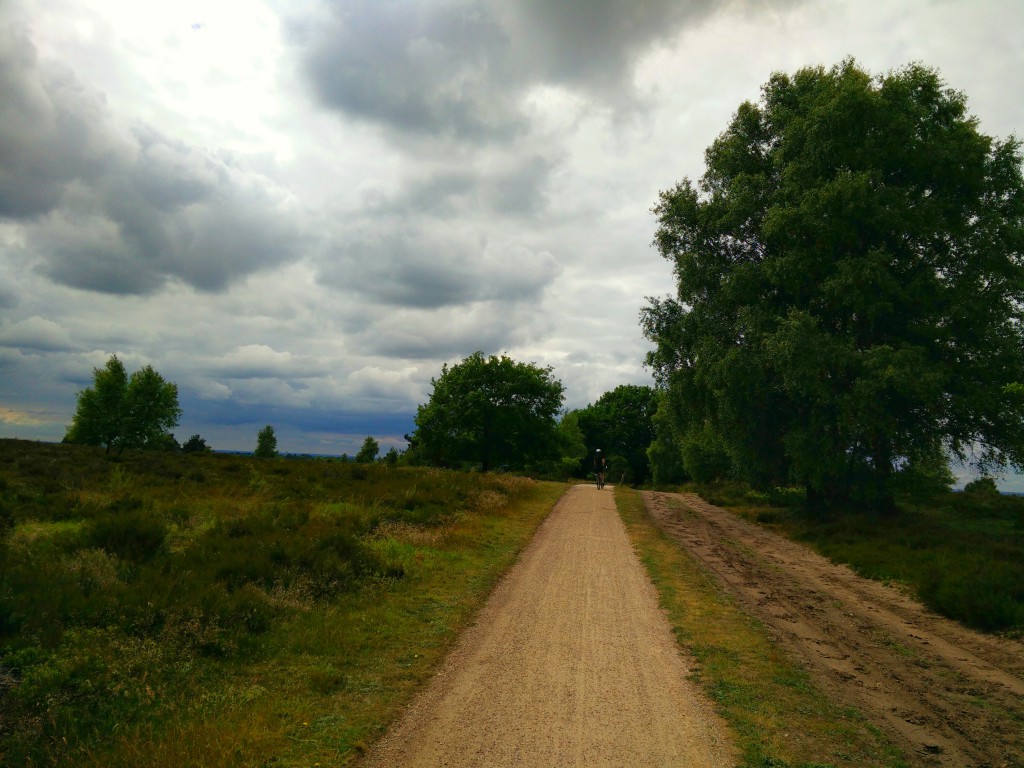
[
  {"x": 420, "y": 67},
  {"x": 123, "y": 210},
  {"x": 8, "y": 298},
  {"x": 52, "y": 129},
  {"x": 459, "y": 68}
]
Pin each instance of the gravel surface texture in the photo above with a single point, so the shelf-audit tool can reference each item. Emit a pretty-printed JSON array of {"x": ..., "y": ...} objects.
[{"x": 570, "y": 663}]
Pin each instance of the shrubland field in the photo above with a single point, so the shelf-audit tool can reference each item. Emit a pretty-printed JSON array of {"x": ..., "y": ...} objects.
[{"x": 177, "y": 609}]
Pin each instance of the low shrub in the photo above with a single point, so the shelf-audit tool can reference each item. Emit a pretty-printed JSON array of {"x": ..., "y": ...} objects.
[
  {"x": 127, "y": 531},
  {"x": 982, "y": 594}
]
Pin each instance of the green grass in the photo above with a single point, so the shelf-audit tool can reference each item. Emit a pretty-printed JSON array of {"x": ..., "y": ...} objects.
[
  {"x": 959, "y": 553},
  {"x": 778, "y": 717},
  {"x": 170, "y": 610}
]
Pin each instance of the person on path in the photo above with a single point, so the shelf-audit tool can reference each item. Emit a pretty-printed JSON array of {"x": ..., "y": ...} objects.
[{"x": 600, "y": 466}]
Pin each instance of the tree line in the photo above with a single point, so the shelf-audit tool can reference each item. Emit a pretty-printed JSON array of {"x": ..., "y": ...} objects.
[{"x": 848, "y": 316}]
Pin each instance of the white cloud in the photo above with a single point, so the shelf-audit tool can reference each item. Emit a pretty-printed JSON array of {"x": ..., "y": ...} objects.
[{"x": 36, "y": 333}]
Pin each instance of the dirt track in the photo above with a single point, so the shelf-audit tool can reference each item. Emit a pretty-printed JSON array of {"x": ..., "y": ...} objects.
[
  {"x": 946, "y": 695},
  {"x": 570, "y": 663}
]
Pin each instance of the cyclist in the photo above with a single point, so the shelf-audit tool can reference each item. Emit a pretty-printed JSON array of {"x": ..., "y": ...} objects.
[{"x": 600, "y": 465}]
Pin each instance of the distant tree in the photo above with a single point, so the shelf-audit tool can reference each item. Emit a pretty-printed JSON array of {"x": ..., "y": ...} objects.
[
  {"x": 850, "y": 285},
  {"x": 266, "y": 443},
  {"x": 621, "y": 424},
  {"x": 392, "y": 456},
  {"x": 983, "y": 486},
  {"x": 491, "y": 411},
  {"x": 572, "y": 444},
  {"x": 120, "y": 412},
  {"x": 195, "y": 444},
  {"x": 369, "y": 451}
]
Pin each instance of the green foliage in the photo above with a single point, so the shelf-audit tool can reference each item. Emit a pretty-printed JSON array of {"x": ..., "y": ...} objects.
[
  {"x": 704, "y": 454},
  {"x": 369, "y": 451},
  {"x": 665, "y": 454},
  {"x": 195, "y": 444},
  {"x": 490, "y": 412},
  {"x": 120, "y": 412},
  {"x": 981, "y": 487},
  {"x": 141, "y": 592},
  {"x": 620, "y": 423},
  {"x": 850, "y": 285},
  {"x": 266, "y": 443},
  {"x": 571, "y": 451},
  {"x": 127, "y": 531}
]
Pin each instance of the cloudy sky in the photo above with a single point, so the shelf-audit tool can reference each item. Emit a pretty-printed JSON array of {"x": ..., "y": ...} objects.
[{"x": 298, "y": 210}]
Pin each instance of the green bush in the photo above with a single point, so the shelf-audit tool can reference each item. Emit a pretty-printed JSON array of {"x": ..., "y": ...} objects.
[
  {"x": 983, "y": 594},
  {"x": 127, "y": 531},
  {"x": 982, "y": 486},
  {"x": 704, "y": 457},
  {"x": 162, "y": 567}
]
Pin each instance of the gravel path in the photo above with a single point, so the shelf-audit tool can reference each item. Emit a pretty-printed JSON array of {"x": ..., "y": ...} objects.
[{"x": 570, "y": 663}]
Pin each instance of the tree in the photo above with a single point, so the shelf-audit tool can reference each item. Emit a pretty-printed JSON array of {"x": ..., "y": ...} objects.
[
  {"x": 572, "y": 445},
  {"x": 850, "y": 285},
  {"x": 266, "y": 443},
  {"x": 120, "y": 412},
  {"x": 195, "y": 444},
  {"x": 368, "y": 453},
  {"x": 621, "y": 424},
  {"x": 664, "y": 454},
  {"x": 490, "y": 411}
]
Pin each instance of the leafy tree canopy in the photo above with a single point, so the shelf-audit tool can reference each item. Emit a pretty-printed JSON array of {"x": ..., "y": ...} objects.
[
  {"x": 850, "y": 284},
  {"x": 621, "y": 423},
  {"x": 266, "y": 443},
  {"x": 490, "y": 411},
  {"x": 664, "y": 454},
  {"x": 120, "y": 411}
]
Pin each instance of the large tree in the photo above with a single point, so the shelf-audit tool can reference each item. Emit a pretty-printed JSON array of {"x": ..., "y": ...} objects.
[
  {"x": 120, "y": 411},
  {"x": 490, "y": 411},
  {"x": 850, "y": 284}
]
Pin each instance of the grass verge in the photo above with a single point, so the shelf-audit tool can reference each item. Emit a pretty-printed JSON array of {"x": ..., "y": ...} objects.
[{"x": 779, "y": 718}]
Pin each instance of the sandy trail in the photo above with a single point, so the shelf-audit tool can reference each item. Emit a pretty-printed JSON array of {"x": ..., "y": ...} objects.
[
  {"x": 947, "y": 695},
  {"x": 570, "y": 663}
]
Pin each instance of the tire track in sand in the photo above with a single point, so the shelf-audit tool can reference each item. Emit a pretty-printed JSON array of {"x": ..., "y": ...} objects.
[{"x": 570, "y": 663}]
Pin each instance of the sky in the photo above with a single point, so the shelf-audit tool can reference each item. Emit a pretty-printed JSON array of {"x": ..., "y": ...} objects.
[{"x": 299, "y": 211}]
